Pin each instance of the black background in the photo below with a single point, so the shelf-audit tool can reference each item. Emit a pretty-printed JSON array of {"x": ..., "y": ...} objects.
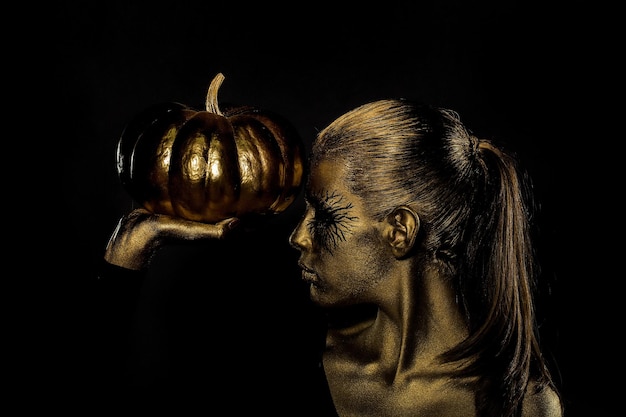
[{"x": 536, "y": 75}]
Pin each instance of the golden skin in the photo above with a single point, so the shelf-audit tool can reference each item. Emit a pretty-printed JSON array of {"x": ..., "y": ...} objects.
[
  {"x": 140, "y": 234},
  {"x": 380, "y": 364},
  {"x": 385, "y": 364}
]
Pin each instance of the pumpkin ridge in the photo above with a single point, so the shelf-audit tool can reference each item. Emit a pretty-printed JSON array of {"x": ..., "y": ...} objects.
[
  {"x": 292, "y": 154},
  {"x": 150, "y": 174},
  {"x": 201, "y": 175},
  {"x": 260, "y": 165}
]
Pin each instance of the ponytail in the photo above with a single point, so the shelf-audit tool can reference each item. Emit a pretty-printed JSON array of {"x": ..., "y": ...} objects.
[{"x": 501, "y": 267}]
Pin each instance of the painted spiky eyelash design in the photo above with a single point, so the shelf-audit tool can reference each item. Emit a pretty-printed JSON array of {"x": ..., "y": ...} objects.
[{"x": 332, "y": 219}]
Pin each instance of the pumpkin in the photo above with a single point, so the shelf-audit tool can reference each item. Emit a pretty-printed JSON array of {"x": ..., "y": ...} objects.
[{"x": 210, "y": 165}]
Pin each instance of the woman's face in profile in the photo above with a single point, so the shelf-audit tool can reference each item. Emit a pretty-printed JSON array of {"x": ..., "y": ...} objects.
[{"x": 342, "y": 251}]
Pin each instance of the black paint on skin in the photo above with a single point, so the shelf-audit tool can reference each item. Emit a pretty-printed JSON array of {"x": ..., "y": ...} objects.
[{"x": 332, "y": 219}]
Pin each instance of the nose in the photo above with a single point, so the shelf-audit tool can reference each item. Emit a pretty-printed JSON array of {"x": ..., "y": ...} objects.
[{"x": 300, "y": 238}]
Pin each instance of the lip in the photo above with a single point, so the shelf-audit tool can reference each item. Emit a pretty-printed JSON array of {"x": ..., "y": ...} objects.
[{"x": 308, "y": 274}]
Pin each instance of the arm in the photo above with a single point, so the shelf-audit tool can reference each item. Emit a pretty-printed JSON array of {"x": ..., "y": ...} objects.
[
  {"x": 130, "y": 249},
  {"x": 140, "y": 234},
  {"x": 121, "y": 278}
]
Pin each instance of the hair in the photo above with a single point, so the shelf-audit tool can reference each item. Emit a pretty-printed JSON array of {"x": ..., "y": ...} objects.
[{"x": 475, "y": 207}]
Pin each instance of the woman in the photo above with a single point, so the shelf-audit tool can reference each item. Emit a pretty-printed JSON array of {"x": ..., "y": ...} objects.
[{"x": 416, "y": 242}]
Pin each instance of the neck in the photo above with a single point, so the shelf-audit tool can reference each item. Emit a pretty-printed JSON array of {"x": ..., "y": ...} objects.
[
  {"x": 388, "y": 362},
  {"x": 403, "y": 333}
]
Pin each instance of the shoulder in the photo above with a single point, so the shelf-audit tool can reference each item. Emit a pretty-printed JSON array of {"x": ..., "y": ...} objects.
[{"x": 545, "y": 403}]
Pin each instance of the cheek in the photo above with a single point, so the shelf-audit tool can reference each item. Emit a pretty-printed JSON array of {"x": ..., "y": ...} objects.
[
  {"x": 372, "y": 258},
  {"x": 358, "y": 264}
]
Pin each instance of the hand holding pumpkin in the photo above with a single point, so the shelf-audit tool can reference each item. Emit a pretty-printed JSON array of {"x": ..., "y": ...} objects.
[
  {"x": 210, "y": 165},
  {"x": 140, "y": 234}
]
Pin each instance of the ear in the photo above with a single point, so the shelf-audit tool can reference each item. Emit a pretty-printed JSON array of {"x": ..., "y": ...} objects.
[{"x": 402, "y": 228}]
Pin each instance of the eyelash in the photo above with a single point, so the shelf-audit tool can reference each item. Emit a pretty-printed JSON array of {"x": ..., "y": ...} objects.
[{"x": 332, "y": 221}]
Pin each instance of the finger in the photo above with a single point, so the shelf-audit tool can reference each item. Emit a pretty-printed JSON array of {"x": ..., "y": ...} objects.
[{"x": 191, "y": 230}]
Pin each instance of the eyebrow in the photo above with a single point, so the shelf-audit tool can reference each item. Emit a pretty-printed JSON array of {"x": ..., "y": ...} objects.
[
  {"x": 315, "y": 196},
  {"x": 332, "y": 202},
  {"x": 322, "y": 197}
]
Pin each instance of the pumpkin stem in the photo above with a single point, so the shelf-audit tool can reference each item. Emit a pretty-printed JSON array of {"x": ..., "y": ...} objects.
[{"x": 211, "y": 97}]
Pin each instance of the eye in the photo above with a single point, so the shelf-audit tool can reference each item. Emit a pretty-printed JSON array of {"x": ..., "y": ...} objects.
[{"x": 332, "y": 219}]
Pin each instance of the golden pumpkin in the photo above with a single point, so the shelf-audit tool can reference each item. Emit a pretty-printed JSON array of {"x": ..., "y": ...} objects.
[{"x": 208, "y": 165}]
